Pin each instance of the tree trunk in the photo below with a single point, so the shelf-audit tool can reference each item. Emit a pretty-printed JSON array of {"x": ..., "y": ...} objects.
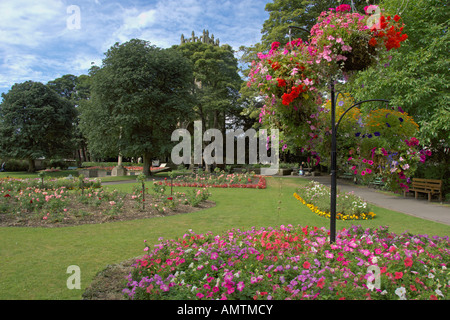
[
  {"x": 31, "y": 165},
  {"x": 147, "y": 164}
]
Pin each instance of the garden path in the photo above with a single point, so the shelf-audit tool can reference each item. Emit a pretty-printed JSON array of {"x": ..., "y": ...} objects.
[{"x": 434, "y": 210}]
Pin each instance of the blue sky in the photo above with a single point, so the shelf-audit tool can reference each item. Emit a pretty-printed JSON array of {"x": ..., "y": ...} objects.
[{"x": 46, "y": 39}]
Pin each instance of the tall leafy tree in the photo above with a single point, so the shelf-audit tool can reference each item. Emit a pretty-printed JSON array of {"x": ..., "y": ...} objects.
[
  {"x": 74, "y": 89},
  {"x": 138, "y": 96},
  {"x": 35, "y": 122},
  {"x": 215, "y": 82},
  {"x": 417, "y": 77}
]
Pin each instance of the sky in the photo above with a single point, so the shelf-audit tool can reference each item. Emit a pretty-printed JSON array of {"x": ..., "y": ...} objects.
[{"x": 46, "y": 39}]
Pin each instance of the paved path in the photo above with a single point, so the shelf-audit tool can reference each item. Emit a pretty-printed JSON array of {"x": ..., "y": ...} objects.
[{"x": 434, "y": 211}]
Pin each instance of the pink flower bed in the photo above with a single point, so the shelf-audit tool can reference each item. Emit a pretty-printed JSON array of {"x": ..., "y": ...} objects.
[
  {"x": 130, "y": 168},
  {"x": 260, "y": 185},
  {"x": 293, "y": 262}
]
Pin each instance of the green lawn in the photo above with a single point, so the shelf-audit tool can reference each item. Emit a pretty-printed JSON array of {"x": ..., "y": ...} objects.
[{"x": 33, "y": 261}]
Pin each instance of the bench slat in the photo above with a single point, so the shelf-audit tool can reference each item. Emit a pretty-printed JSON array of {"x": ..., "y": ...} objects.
[{"x": 429, "y": 186}]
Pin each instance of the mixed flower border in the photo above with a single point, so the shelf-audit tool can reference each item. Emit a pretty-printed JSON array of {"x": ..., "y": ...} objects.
[
  {"x": 260, "y": 185},
  {"x": 340, "y": 216},
  {"x": 293, "y": 263},
  {"x": 349, "y": 206}
]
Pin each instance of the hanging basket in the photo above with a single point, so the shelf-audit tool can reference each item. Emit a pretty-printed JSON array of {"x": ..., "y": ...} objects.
[{"x": 362, "y": 55}]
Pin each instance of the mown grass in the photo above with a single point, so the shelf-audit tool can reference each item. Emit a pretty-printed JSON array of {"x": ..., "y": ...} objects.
[{"x": 34, "y": 261}]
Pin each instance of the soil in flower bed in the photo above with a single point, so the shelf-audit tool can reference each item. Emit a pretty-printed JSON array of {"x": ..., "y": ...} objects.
[
  {"x": 109, "y": 283},
  {"x": 78, "y": 213}
]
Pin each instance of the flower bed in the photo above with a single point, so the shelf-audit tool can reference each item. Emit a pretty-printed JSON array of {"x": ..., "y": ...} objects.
[
  {"x": 65, "y": 202},
  {"x": 293, "y": 262},
  {"x": 130, "y": 168},
  {"x": 240, "y": 180},
  {"x": 348, "y": 206}
]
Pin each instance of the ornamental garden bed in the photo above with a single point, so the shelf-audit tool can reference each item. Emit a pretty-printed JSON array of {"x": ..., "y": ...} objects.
[
  {"x": 316, "y": 197},
  {"x": 284, "y": 262},
  {"x": 25, "y": 203},
  {"x": 100, "y": 171},
  {"x": 215, "y": 180}
]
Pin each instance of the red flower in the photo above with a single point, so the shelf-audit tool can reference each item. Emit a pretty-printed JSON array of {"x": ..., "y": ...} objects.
[
  {"x": 276, "y": 65},
  {"x": 398, "y": 275},
  {"x": 408, "y": 262},
  {"x": 169, "y": 198},
  {"x": 321, "y": 282},
  {"x": 306, "y": 265},
  {"x": 275, "y": 45},
  {"x": 396, "y": 18},
  {"x": 7, "y": 196},
  {"x": 343, "y": 8},
  {"x": 373, "y": 42},
  {"x": 281, "y": 82}
]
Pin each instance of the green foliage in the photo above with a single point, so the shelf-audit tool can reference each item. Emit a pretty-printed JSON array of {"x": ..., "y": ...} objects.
[
  {"x": 138, "y": 96},
  {"x": 215, "y": 82},
  {"x": 36, "y": 123},
  {"x": 417, "y": 77},
  {"x": 300, "y": 13}
]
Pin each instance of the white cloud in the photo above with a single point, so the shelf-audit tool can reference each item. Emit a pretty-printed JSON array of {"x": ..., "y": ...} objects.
[
  {"x": 30, "y": 23},
  {"x": 36, "y": 44}
]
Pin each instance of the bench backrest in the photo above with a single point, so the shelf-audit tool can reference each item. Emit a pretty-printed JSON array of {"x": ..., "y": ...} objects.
[{"x": 418, "y": 182}]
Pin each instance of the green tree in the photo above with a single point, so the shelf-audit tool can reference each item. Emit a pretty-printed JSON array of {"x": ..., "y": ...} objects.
[
  {"x": 74, "y": 89},
  {"x": 35, "y": 122},
  {"x": 138, "y": 96},
  {"x": 215, "y": 83},
  {"x": 417, "y": 78}
]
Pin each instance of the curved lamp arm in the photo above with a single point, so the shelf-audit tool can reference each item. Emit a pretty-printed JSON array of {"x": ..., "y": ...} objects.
[{"x": 357, "y": 104}]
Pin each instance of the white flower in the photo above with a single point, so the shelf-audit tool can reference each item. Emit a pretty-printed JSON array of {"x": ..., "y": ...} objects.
[
  {"x": 439, "y": 293},
  {"x": 191, "y": 265},
  {"x": 401, "y": 293},
  {"x": 430, "y": 276}
]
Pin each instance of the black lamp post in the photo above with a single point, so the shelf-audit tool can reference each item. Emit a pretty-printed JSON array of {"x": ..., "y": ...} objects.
[{"x": 334, "y": 127}]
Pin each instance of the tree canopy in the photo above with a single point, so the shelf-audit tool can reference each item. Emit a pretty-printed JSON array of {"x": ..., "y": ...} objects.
[
  {"x": 35, "y": 122},
  {"x": 138, "y": 96},
  {"x": 215, "y": 82}
]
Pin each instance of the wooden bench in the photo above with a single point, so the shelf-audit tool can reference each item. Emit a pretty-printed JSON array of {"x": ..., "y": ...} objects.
[
  {"x": 429, "y": 186},
  {"x": 377, "y": 182}
]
